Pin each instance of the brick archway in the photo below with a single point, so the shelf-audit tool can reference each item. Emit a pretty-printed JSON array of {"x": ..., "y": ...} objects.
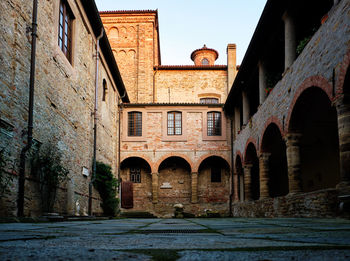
[
  {"x": 204, "y": 157},
  {"x": 253, "y": 141},
  {"x": 269, "y": 121},
  {"x": 184, "y": 157},
  {"x": 313, "y": 81},
  {"x": 149, "y": 162},
  {"x": 238, "y": 154}
]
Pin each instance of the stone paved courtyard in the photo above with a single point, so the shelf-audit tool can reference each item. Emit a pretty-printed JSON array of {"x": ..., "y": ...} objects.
[{"x": 178, "y": 239}]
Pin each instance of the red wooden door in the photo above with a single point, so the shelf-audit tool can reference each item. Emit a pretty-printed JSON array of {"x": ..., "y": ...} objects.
[{"x": 127, "y": 195}]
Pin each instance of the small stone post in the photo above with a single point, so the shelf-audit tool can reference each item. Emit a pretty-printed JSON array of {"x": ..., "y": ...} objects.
[
  {"x": 343, "y": 111},
  {"x": 247, "y": 181},
  {"x": 293, "y": 161},
  {"x": 194, "y": 187},
  {"x": 155, "y": 187},
  {"x": 264, "y": 174}
]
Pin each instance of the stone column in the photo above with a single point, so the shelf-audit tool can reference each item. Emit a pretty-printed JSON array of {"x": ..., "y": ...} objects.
[
  {"x": 237, "y": 121},
  {"x": 262, "y": 82},
  {"x": 336, "y": 2},
  {"x": 194, "y": 187},
  {"x": 155, "y": 187},
  {"x": 246, "y": 112},
  {"x": 264, "y": 174},
  {"x": 247, "y": 181},
  {"x": 235, "y": 184},
  {"x": 343, "y": 111},
  {"x": 289, "y": 40},
  {"x": 293, "y": 161}
]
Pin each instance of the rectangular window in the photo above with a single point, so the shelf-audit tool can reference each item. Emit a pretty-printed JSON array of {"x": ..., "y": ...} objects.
[
  {"x": 135, "y": 175},
  {"x": 65, "y": 30},
  {"x": 134, "y": 123},
  {"x": 174, "y": 123},
  {"x": 209, "y": 100},
  {"x": 214, "y": 123},
  {"x": 215, "y": 174}
]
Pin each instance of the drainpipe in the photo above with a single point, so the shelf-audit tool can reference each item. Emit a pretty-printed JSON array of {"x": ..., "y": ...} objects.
[
  {"x": 120, "y": 108},
  {"x": 22, "y": 166},
  {"x": 93, "y": 176},
  {"x": 232, "y": 168}
]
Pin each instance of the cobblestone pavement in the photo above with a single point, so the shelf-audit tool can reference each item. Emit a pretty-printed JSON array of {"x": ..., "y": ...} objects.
[{"x": 178, "y": 239}]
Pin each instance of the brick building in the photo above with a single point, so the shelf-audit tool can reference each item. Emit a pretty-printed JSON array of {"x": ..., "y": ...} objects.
[
  {"x": 64, "y": 98},
  {"x": 175, "y": 139},
  {"x": 291, "y": 112},
  {"x": 271, "y": 139}
]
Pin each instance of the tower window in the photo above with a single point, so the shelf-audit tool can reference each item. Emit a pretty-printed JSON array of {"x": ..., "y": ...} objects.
[
  {"x": 134, "y": 123},
  {"x": 65, "y": 29},
  {"x": 214, "y": 123},
  {"x": 205, "y": 61},
  {"x": 209, "y": 100},
  {"x": 174, "y": 123}
]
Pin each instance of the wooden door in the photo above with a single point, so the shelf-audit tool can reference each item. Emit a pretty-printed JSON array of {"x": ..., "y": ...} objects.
[{"x": 127, "y": 195}]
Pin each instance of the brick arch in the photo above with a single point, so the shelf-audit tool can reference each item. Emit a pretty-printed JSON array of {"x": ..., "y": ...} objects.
[
  {"x": 187, "y": 159},
  {"x": 313, "y": 81},
  {"x": 269, "y": 121},
  {"x": 342, "y": 73},
  {"x": 204, "y": 157},
  {"x": 253, "y": 141},
  {"x": 149, "y": 162},
  {"x": 238, "y": 154},
  {"x": 113, "y": 28}
]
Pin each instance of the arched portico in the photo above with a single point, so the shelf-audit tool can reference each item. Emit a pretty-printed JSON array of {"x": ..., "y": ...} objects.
[
  {"x": 313, "y": 143},
  {"x": 273, "y": 163},
  {"x": 213, "y": 180},
  {"x": 251, "y": 172}
]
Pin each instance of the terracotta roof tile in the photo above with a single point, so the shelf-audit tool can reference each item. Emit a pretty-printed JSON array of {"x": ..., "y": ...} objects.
[{"x": 191, "y": 67}]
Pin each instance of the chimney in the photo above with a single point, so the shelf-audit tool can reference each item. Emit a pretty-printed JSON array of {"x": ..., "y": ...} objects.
[{"x": 231, "y": 65}]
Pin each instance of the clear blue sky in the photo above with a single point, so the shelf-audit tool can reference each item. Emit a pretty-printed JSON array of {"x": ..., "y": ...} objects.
[{"x": 186, "y": 25}]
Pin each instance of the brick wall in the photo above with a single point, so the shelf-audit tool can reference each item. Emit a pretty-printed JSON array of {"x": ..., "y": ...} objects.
[{"x": 64, "y": 98}]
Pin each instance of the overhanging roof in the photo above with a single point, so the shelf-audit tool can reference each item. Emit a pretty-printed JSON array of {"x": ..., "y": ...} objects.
[{"x": 96, "y": 24}]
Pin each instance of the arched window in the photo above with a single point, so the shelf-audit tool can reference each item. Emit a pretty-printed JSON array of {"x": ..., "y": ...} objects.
[
  {"x": 174, "y": 123},
  {"x": 209, "y": 100},
  {"x": 214, "y": 123},
  {"x": 205, "y": 61},
  {"x": 104, "y": 94},
  {"x": 134, "y": 123}
]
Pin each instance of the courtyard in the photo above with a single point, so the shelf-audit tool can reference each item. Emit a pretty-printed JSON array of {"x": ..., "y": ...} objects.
[{"x": 178, "y": 239}]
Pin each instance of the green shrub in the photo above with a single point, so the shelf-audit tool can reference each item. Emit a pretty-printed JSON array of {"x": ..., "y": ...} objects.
[
  {"x": 48, "y": 169},
  {"x": 106, "y": 184},
  {"x": 5, "y": 177}
]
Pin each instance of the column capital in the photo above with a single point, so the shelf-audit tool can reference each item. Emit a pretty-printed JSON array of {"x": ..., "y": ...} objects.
[
  {"x": 155, "y": 173},
  {"x": 248, "y": 166},
  {"x": 293, "y": 138},
  {"x": 264, "y": 156},
  {"x": 287, "y": 16}
]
